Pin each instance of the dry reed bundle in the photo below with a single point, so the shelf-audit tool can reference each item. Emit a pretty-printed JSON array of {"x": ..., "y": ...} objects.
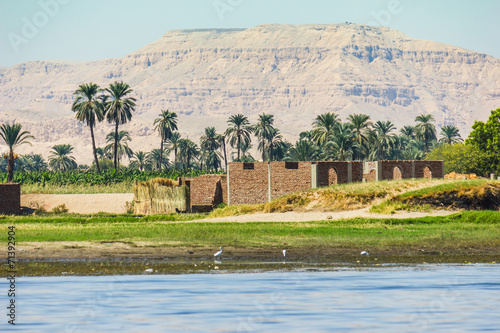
[{"x": 160, "y": 196}]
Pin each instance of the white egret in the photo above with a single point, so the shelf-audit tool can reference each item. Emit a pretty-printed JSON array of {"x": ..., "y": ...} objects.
[
  {"x": 364, "y": 253},
  {"x": 284, "y": 253},
  {"x": 217, "y": 255}
]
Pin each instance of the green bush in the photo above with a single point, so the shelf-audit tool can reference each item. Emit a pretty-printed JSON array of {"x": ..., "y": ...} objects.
[{"x": 461, "y": 158}]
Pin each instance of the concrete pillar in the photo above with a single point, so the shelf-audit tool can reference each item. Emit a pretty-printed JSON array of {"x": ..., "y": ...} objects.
[
  {"x": 228, "y": 186},
  {"x": 349, "y": 172},
  {"x": 492, "y": 176},
  {"x": 379, "y": 170},
  {"x": 314, "y": 175},
  {"x": 268, "y": 182}
]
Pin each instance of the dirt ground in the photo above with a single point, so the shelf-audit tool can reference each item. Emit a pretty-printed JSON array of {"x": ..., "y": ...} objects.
[
  {"x": 80, "y": 203},
  {"x": 321, "y": 216}
]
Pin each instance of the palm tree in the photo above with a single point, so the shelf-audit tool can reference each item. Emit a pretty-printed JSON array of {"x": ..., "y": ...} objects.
[
  {"x": 450, "y": 135},
  {"x": 165, "y": 125},
  {"x": 263, "y": 131},
  {"x": 33, "y": 162},
  {"x": 342, "y": 144},
  {"x": 384, "y": 137},
  {"x": 60, "y": 158},
  {"x": 238, "y": 131},
  {"x": 140, "y": 160},
  {"x": 323, "y": 127},
  {"x": 209, "y": 143},
  {"x": 89, "y": 108},
  {"x": 120, "y": 143},
  {"x": 408, "y": 131},
  {"x": 281, "y": 150},
  {"x": 13, "y": 137},
  {"x": 188, "y": 151},
  {"x": 304, "y": 150},
  {"x": 173, "y": 145},
  {"x": 360, "y": 125},
  {"x": 245, "y": 155},
  {"x": 103, "y": 154},
  {"x": 153, "y": 158},
  {"x": 425, "y": 130},
  {"x": 119, "y": 109},
  {"x": 306, "y": 135}
]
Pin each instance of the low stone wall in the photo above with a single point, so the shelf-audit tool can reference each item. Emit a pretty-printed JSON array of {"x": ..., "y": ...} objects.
[{"x": 10, "y": 199}]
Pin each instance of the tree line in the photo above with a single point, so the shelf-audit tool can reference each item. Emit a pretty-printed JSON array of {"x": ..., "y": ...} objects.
[{"x": 329, "y": 138}]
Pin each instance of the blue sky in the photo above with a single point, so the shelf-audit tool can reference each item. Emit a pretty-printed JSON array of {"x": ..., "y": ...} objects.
[{"x": 98, "y": 29}]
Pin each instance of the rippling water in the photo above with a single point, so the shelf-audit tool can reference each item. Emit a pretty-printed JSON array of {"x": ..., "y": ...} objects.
[{"x": 426, "y": 298}]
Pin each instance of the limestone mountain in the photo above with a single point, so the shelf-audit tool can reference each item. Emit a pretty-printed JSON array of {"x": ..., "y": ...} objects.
[{"x": 293, "y": 72}]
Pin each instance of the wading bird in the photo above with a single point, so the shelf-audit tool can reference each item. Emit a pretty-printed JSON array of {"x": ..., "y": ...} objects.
[
  {"x": 284, "y": 253},
  {"x": 217, "y": 255}
]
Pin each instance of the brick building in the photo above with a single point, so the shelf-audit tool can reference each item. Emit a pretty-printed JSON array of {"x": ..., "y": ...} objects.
[
  {"x": 206, "y": 191},
  {"x": 259, "y": 182},
  {"x": 10, "y": 198}
]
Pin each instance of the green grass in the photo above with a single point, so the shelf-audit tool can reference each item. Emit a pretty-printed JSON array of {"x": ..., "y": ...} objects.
[
  {"x": 76, "y": 219},
  {"x": 462, "y": 230}
]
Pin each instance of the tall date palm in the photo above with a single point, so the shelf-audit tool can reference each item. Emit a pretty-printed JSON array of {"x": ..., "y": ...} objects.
[
  {"x": 90, "y": 109},
  {"x": 425, "y": 130},
  {"x": 165, "y": 124},
  {"x": 119, "y": 109},
  {"x": 238, "y": 131}
]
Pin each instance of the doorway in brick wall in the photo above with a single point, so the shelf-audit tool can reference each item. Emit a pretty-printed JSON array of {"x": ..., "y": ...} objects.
[
  {"x": 397, "y": 174},
  {"x": 427, "y": 173},
  {"x": 332, "y": 176}
]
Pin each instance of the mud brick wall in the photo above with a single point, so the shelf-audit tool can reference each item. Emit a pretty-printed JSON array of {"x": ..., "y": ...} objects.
[
  {"x": 248, "y": 186},
  {"x": 388, "y": 169},
  {"x": 10, "y": 199},
  {"x": 435, "y": 167},
  {"x": 325, "y": 176},
  {"x": 289, "y": 177},
  {"x": 206, "y": 191},
  {"x": 357, "y": 171},
  {"x": 223, "y": 186}
]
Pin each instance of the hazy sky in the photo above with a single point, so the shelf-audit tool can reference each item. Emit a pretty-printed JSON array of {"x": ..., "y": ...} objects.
[{"x": 98, "y": 29}]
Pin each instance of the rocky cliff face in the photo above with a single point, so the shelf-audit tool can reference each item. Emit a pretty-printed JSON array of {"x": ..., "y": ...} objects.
[{"x": 293, "y": 72}]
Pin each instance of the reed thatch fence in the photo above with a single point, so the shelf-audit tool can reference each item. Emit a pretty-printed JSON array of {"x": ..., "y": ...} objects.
[{"x": 160, "y": 196}]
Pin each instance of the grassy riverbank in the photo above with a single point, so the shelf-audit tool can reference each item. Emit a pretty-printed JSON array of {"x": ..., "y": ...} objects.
[{"x": 457, "y": 233}]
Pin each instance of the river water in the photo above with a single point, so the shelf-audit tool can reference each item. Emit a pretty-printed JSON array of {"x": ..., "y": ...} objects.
[{"x": 419, "y": 298}]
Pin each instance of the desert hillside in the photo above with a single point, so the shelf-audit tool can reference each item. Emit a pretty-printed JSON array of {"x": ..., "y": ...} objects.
[{"x": 293, "y": 72}]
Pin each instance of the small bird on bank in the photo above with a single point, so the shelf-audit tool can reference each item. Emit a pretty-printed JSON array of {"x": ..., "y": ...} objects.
[
  {"x": 217, "y": 255},
  {"x": 364, "y": 253},
  {"x": 284, "y": 253}
]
